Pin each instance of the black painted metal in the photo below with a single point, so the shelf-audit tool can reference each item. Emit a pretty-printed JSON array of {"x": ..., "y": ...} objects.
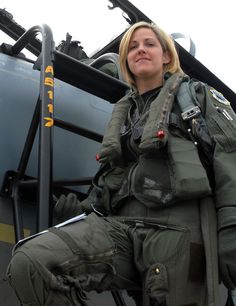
[
  {"x": 78, "y": 130},
  {"x": 88, "y": 78},
  {"x": 44, "y": 218}
]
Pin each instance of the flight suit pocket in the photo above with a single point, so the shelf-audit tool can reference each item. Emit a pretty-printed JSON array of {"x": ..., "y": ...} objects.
[
  {"x": 224, "y": 130},
  {"x": 156, "y": 284},
  {"x": 167, "y": 250}
]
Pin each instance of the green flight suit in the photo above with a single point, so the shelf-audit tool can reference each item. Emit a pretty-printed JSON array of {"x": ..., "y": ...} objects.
[{"x": 162, "y": 247}]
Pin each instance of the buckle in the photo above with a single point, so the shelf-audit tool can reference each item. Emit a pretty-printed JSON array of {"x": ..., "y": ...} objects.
[{"x": 191, "y": 112}]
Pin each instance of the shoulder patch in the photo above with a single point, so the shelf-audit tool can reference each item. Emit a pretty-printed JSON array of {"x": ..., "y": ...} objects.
[{"x": 219, "y": 97}]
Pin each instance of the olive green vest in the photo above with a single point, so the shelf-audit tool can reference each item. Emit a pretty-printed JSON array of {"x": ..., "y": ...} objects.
[{"x": 168, "y": 169}]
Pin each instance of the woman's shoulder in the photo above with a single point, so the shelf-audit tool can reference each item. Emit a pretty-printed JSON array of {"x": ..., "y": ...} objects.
[{"x": 208, "y": 97}]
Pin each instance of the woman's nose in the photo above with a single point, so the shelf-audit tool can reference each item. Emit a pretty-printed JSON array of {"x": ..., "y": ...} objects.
[{"x": 141, "y": 49}]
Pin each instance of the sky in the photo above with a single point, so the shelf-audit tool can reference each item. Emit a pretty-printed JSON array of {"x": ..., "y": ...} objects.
[{"x": 209, "y": 23}]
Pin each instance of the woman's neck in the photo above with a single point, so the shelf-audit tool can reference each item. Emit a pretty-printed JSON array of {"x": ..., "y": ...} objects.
[{"x": 146, "y": 85}]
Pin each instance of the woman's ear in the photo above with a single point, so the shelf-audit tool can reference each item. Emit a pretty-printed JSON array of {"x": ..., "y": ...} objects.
[{"x": 166, "y": 57}]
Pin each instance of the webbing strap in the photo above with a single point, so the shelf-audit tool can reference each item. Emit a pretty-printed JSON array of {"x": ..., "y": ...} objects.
[
  {"x": 209, "y": 234},
  {"x": 69, "y": 241},
  {"x": 191, "y": 113},
  {"x": 175, "y": 120},
  {"x": 188, "y": 108}
]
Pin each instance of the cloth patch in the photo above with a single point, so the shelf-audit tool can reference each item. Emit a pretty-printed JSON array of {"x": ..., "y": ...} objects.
[
  {"x": 219, "y": 97},
  {"x": 197, "y": 265}
]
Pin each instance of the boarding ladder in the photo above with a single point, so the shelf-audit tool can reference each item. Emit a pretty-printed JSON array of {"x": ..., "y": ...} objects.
[{"x": 54, "y": 64}]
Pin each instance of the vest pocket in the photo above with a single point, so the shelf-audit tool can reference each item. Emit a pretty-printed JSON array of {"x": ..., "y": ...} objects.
[
  {"x": 150, "y": 180},
  {"x": 188, "y": 176},
  {"x": 113, "y": 178},
  {"x": 170, "y": 174}
]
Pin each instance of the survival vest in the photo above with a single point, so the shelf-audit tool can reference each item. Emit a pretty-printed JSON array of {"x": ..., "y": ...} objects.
[{"x": 164, "y": 173}]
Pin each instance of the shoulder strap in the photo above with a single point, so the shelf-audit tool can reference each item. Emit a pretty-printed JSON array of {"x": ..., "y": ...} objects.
[
  {"x": 192, "y": 114},
  {"x": 197, "y": 127},
  {"x": 187, "y": 106}
]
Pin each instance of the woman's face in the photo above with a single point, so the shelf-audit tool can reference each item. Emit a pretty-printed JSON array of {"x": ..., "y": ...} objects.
[{"x": 145, "y": 55}]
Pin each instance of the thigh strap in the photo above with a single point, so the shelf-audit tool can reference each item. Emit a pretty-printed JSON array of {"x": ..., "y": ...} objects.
[{"x": 68, "y": 240}]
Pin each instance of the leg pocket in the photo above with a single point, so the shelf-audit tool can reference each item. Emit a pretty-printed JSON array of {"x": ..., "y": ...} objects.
[
  {"x": 166, "y": 245},
  {"x": 167, "y": 262},
  {"x": 156, "y": 284}
]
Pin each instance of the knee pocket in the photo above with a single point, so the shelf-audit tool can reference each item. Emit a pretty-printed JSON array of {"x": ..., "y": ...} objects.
[{"x": 156, "y": 283}]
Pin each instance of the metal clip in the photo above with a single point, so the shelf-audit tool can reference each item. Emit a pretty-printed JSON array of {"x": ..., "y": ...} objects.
[{"x": 191, "y": 112}]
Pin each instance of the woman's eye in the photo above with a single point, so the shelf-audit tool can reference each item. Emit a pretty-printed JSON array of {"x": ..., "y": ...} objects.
[
  {"x": 150, "y": 44},
  {"x": 132, "y": 47}
]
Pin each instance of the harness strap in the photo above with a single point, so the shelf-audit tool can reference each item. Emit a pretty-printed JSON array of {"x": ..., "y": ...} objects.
[
  {"x": 209, "y": 231},
  {"x": 175, "y": 120},
  {"x": 70, "y": 242},
  {"x": 191, "y": 113},
  {"x": 188, "y": 108}
]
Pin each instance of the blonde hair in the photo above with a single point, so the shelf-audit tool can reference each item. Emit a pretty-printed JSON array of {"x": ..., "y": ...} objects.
[{"x": 165, "y": 40}]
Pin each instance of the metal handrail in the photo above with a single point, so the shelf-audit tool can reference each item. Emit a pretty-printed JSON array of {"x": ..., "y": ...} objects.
[
  {"x": 46, "y": 121},
  {"x": 44, "y": 218}
]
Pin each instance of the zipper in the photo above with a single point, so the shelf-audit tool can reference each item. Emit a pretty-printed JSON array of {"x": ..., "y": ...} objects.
[
  {"x": 138, "y": 102},
  {"x": 87, "y": 259},
  {"x": 133, "y": 168},
  {"x": 130, "y": 178},
  {"x": 148, "y": 101},
  {"x": 149, "y": 224},
  {"x": 130, "y": 148},
  {"x": 139, "y": 120}
]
